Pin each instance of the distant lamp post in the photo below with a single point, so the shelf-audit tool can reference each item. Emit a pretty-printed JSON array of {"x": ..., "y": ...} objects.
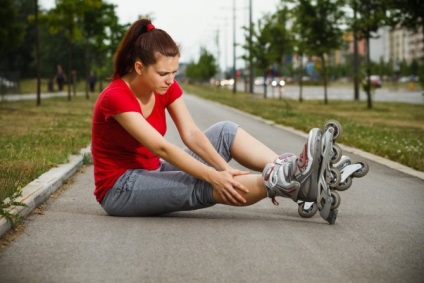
[
  {"x": 234, "y": 48},
  {"x": 250, "y": 48},
  {"x": 37, "y": 53}
]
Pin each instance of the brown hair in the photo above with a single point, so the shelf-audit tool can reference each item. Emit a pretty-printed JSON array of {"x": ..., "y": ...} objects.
[{"x": 141, "y": 43}]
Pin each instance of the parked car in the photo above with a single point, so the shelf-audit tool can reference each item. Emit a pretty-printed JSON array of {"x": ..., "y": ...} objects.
[
  {"x": 269, "y": 81},
  {"x": 406, "y": 79},
  {"x": 278, "y": 82},
  {"x": 259, "y": 81},
  {"x": 376, "y": 81}
]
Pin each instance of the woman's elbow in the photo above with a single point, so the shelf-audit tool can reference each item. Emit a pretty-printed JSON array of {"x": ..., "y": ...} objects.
[
  {"x": 163, "y": 150},
  {"x": 191, "y": 138}
]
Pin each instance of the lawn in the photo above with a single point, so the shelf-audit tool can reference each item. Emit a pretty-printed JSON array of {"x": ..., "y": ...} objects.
[{"x": 36, "y": 138}]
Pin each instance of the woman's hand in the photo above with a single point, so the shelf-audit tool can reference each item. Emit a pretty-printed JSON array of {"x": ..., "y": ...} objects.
[{"x": 228, "y": 188}]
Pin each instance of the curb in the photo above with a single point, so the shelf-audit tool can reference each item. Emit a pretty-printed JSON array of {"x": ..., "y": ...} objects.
[{"x": 41, "y": 188}]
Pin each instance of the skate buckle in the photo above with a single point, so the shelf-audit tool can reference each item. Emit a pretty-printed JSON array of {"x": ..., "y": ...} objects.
[{"x": 274, "y": 201}]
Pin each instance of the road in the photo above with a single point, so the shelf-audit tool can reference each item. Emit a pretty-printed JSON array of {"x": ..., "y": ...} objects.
[
  {"x": 378, "y": 236},
  {"x": 384, "y": 94},
  {"x": 33, "y": 96}
]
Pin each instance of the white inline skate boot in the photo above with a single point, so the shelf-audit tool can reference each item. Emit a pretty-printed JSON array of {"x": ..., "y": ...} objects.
[
  {"x": 279, "y": 177},
  {"x": 311, "y": 179}
]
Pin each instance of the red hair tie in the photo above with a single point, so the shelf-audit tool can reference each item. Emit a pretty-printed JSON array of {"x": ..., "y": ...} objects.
[{"x": 150, "y": 27}]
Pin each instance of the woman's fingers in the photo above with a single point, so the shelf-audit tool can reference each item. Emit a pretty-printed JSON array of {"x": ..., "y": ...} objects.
[{"x": 236, "y": 195}]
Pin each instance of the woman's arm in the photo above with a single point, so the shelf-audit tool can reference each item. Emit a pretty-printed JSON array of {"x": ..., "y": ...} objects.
[
  {"x": 193, "y": 137},
  {"x": 143, "y": 132}
]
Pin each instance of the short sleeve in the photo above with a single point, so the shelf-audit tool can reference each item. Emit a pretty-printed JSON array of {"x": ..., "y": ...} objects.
[{"x": 118, "y": 99}]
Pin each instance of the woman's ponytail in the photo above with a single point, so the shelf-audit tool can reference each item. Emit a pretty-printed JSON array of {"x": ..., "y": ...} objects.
[{"x": 141, "y": 42}]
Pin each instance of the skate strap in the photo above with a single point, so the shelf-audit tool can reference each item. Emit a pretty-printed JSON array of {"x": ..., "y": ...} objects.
[{"x": 274, "y": 201}]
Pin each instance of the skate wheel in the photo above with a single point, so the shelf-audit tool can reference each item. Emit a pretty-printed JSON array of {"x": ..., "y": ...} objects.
[
  {"x": 335, "y": 178},
  {"x": 336, "y": 126},
  {"x": 308, "y": 213},
  {"x": 337, "y": 154},
  {"x": 363, "y": 171},
  {"x": 343, "y": 186},
  {"x": 336, "y": 200}
]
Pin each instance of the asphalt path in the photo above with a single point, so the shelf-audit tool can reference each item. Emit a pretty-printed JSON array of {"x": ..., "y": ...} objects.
[
  {"x": 378, "y": 236},
  {"x": 384, "y": 94}
]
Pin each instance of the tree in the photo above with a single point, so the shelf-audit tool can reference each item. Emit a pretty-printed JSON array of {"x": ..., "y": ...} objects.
[
  {"x": 300, "y": 30},
  {"x": 320, "y": 24},
  {"x": 12, "y": 33},
  {"x": 259, "y": 47},
  {"x": 281, "y": 37},
  {"x": 371, "y": 16},
  {"x": 98, "y": 23},
  {"x": 64, "y": 18},
  {"x": 407, "y": 13},
  {"x": 204, "y": 69},
  {"x": 85, "y": 32}
]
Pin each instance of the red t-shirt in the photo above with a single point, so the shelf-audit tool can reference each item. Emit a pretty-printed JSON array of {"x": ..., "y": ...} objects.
[{"x": 114, "y": 150}]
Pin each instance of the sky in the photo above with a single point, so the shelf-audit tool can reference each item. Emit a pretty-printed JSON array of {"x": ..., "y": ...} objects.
[{"x": 195, "y": 23}]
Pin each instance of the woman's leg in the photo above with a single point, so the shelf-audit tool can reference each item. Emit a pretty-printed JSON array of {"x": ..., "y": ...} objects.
[
  {"x": 147, "y": 193},
  {"x": 256, "y": 186},
  {"x": 256, "y": 159},
  {"x": 231, "y": 141},
  {"x": 250, "y": 152}
]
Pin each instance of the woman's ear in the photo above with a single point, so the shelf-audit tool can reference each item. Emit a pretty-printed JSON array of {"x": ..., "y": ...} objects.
[{"x": 138, "y": 67}]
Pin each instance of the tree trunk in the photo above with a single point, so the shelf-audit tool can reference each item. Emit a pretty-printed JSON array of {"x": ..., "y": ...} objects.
[
  {"x": 368, "y": 88},
  {"x": 87, "y": 71},
  {"x": 265, "y": 96},
  {"x": 301, "y": 79},
  {"x": 355, "y": 55},
  {"x": 69, "y": 69},
  {"x": 421, "y": 76},
  {"x": 324, "y": 77},
  {"x": 37, "y": 54}
]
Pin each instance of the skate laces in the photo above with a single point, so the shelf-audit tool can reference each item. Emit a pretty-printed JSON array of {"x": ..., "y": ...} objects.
[
  {"x": 281, "y": 175},
  {"x": 302, "y": 161}
]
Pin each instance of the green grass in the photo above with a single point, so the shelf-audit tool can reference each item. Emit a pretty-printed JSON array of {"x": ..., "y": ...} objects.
[{"x": 36, "y": 138}]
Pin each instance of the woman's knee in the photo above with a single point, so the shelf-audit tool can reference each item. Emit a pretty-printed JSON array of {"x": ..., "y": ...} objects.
[{"x": 226, "y": 126}]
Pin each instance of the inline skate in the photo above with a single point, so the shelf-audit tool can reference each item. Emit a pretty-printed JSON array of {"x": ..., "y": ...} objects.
[
  {"x": 348, "y": 171},
  {"x": 313, "y": 178}
]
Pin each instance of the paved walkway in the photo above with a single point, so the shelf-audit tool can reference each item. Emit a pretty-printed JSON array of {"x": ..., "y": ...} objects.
[
  {"x": 378, "y": 236},
  {"x": 33, "y": 96},
  {"x": 384, "y": 94}
]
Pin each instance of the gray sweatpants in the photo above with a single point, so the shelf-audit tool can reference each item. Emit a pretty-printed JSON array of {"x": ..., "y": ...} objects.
[{"x": 145, "y": 193}]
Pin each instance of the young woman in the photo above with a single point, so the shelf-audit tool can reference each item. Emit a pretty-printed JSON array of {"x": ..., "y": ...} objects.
[{"x": 139, "y": 173}]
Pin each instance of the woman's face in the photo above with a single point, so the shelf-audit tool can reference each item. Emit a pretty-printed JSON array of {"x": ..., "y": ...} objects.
[{"x": 160, "y": 76}]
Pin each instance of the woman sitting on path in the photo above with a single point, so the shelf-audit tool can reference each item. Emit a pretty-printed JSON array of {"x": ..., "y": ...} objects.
[{"x": 139, "y": 173}]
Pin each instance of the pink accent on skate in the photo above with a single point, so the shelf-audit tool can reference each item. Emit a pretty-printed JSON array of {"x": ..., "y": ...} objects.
[{"x": 303, "y": 158}]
